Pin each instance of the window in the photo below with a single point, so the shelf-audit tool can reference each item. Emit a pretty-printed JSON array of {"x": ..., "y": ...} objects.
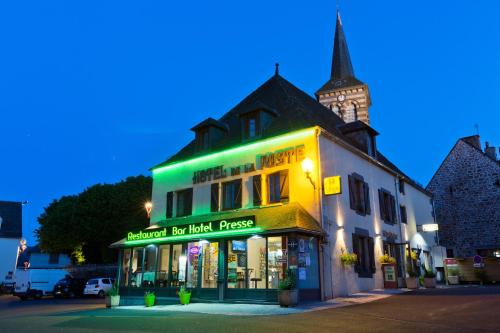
[
  {"x": 184, "y": 202},
  {"x": 202, "y": 139},
  {"x": 178, "y": 265},
  {"x": 231, "y": 195},
  {"x": 251, "y": 126},
  {"x": 278, "y": 186},
  {"x": 257, "y": 190},
  {"x": 404, "y": 217},
  {"x": 449, "y": 253},
  {"x": 246, "y": 263},
  {"x": 387, "y": 206},
  {"x": 359, "y": 194},
  {"x": 136, "y": 267},
  {"x": 275, "y": 263},
  {"x": 162, "y": 274},
  {"x": 214, "y": 197},
  {"x": 169, "y": 205},
  {"x": 53, "y": 258},
  {"x": 401, "y": 186},
  {"x": 124, "y": 276},
  {"x": 148, "y": 277},
  {"x": 363, "y": 246}
]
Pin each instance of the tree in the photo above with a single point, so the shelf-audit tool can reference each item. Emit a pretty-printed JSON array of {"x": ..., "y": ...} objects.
[{"x": 89, "y": 222}]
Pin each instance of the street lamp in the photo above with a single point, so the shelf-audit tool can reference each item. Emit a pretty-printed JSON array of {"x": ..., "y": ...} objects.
[
  {"x": 149, "y": 206},
  {"x": 307, "y": 167}
]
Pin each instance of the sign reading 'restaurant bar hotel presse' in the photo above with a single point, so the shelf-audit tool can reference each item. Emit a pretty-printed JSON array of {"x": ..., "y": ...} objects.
[{"x": 236, "y": 224}]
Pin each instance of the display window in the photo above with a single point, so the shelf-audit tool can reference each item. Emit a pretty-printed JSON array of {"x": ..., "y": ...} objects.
[
  {"x": 136, "y": 267},
  {"x": 125, "y": 267},
  {"x": 163, "y": 272},
  {"x": 276, "y": 260},
  {"x": 246, "y": 263}
]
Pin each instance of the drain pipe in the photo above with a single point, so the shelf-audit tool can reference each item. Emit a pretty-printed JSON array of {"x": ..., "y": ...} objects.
[{"x": 398, "y": 213}]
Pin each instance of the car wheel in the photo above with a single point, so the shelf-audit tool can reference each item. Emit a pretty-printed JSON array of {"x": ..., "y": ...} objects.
[
  {"x": 101, "y": 294},
  {"x": 23, "y": 298}
]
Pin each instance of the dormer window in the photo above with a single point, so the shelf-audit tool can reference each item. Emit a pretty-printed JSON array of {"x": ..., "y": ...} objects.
[
  {"x": 251, "y": 126},
  {"x": 208, "y": 133}
]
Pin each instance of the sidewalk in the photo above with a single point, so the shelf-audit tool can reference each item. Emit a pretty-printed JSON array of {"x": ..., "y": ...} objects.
[{"x": 230, "y": 309}]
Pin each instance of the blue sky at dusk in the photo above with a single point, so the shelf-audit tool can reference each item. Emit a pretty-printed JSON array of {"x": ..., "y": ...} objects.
[{"x": 95, "y": 91}]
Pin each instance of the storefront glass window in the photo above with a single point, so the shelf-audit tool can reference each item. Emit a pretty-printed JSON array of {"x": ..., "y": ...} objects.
[
  {"x": 149, "y": 266},
  {"x": 308, "y": 270},
  {"x": 209, "y": 275},
  {"x": 237, "y": 264},
  {"x": 137, "y": 258},
  {"x": 275, "y": 264},
  {"x": 192, "y": 268},
  {"x": 124, "y": 276},
  {"x": 162, "y": 276},
  {"x": 256, "y": 263},
  {"x": 178, "y": 265}
]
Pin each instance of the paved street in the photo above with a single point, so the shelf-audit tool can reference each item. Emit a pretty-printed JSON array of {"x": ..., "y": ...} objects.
[{"x": 463, "y": 309}]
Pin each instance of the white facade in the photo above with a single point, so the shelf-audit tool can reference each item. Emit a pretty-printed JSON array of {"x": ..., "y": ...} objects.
[
  {"x": 8, "y": 249},
  {"x": 333, "y": 213}
]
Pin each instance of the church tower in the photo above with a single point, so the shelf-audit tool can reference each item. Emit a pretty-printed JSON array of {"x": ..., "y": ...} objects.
[{"x": 344, "y": 94}]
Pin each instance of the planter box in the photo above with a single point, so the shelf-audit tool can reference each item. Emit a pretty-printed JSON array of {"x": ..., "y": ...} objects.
[
  {"x": 288, "y": 298},
  {"x": 185, "y": 298},
  {"x": 430, "y": 282},
  {"x": 112, "y": 301},
  {"x": 453, "y": 280},
  {"x": 149, "y": 300},
  {"x": 411, "y": 282}
]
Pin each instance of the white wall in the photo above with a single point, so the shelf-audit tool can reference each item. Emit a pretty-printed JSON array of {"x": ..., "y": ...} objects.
[
  {"x": 337, "y": 160},
  {"x": 41, "y": 260},
  {"x": 8, "y": 259}
]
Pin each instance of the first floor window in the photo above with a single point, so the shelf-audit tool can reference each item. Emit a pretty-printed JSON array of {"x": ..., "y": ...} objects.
[
  {"x": 404, "y": 217},
  {"x": 231, "y": 195},
  {"x": 278, "y": 186},
  {"x": 387, "y": 204},
  {"x": 185, "y": 202},
  {"x": 359, "y": 194},
  {"x": 363, "y": 246}
]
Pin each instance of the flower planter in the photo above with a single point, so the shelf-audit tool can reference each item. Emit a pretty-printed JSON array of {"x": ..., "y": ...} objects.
[
  {"x": 112, "y": 301},
  {"x": 185, "y": 298},
  {"x": 149, "y": 300},
  {"x": 430, "y": 282},
  {"x": 453, "y": 280},
  {"x": 288, "y": 298},
  {"x": 411, "y": 282}
]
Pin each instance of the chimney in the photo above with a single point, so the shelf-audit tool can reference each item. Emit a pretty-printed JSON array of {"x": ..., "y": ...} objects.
[{"x": 490, "y": 151}]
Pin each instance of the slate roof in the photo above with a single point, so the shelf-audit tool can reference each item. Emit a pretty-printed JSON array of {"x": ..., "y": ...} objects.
[
  {"x": 295, "y": 110},
  {"x": 12, "y": 221}
]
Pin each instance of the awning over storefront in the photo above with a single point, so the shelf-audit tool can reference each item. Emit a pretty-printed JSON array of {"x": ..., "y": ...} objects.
[{"x": 280, "y": 218}]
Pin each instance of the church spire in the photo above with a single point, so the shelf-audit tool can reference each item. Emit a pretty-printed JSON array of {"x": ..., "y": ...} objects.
[{"x": 341, "y": 62}]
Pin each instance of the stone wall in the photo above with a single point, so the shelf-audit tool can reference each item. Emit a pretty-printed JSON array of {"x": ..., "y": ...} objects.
[{"x": 466, "y": 191}]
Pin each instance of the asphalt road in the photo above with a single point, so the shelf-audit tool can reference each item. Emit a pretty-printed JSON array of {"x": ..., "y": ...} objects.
[{"x": 463, "y": 309}]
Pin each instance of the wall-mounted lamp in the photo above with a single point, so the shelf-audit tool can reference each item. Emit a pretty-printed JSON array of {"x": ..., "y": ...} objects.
[
  {"x": 149, "y": 206},
  {"x": 307, "y": 167}
]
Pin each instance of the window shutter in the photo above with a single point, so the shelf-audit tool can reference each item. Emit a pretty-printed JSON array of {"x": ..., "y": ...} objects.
[
  {"x": 170, "y": 204},
  {"x": 214, "y": 197},
  {"x": 188, "y": 204},
  {"x": 381, "y": 204},
  {"x": 284, "y": 191},
  {"x": 355, "y": 249},
  {"x": 371, "y": 254},
  {"x": 366, "y": 188},
  {"x": 352, "y": 189},
  {"x": 393, "y": 210},
  {"x": 237, "y": 197},
  {"x": 257, "y": 190}
]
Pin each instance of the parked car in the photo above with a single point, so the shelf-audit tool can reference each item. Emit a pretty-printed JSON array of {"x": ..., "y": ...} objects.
[
  {"x": 98, "y": 286},
  {"x": 69, "y": 287},
  {"x": 33, "y": 282}
]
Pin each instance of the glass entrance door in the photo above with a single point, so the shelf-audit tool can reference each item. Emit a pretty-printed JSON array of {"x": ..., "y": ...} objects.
[{"x": 203, "y": 268}]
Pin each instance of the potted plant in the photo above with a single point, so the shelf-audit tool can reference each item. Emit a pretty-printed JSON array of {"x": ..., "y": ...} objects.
[
  {"x": 112, "y": 297},
  {"x": 430, "y": 279},
  {"x": 387, "y": 259},
  {"x": 412, "y": 279},
  {"x": 288, "y": 295},
  {"x": 149, "y": 298},
  {"x": 184, "y": 296},
  {"x": 348, "y": 259},
  {"x": 453, "y": 276}
]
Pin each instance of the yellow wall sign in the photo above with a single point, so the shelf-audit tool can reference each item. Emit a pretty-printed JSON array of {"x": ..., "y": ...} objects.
[{"x": 332, "y": 185}]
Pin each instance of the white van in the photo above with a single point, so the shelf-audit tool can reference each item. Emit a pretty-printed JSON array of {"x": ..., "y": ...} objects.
[{"x": 37, "y": 282}]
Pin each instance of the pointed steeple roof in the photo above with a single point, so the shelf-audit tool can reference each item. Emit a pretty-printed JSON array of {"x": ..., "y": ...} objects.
[
  {"x": 342, "y": 74},
  {"x": 341, "y": 62}
]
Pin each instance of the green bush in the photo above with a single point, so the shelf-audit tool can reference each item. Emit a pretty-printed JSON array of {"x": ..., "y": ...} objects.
[{"x": 115, "y": 291}]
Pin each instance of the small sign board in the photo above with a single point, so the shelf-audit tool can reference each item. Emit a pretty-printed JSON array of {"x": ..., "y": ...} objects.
[
  {"x": 478, "y": 261},
  {"x": 332, "y": 185}
]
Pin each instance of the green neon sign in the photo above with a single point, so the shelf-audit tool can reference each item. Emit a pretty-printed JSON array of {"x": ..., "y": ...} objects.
[
  {"x": 238, "y": 150},
  {"x": 235, "y": 226}
]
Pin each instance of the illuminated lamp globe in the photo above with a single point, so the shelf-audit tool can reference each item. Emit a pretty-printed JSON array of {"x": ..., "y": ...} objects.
[{"x": 307, "y": 165}]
